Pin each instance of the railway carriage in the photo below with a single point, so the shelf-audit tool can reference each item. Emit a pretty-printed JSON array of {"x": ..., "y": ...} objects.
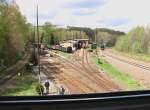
[
  {"x": 66, "y": 47},
  {"x": 72, "y": 45}
]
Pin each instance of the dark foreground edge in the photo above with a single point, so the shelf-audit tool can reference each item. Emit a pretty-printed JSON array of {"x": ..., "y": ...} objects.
[{"x": 135, "y": 100}]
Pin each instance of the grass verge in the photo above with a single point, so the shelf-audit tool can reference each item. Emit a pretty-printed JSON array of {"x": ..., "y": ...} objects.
[{"x": 123, "y": 78}]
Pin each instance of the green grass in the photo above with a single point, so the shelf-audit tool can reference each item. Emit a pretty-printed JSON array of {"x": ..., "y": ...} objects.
[
  {"x": 26, "y": 90},
  {"x": 137, "y": 56},
  {"x": 123, "y": 78},
  {"x": 22, "y": 86}
]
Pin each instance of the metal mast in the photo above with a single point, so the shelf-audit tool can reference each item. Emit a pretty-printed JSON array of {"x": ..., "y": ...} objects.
[
  {"x": 34, "y": 43},
  {"x": 96, "y": 35},
  {"x": 96, "y": 41},
  {"x": 39, "y": 69}
]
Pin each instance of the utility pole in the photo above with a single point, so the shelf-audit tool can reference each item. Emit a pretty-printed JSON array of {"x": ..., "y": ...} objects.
[
  {"x": 34, "y": 50},
  {"x": 38, "y": 40},
  {"x": 34, "y": 43},
  {"x": 96, "y": 41},
  {"x": 96, "y": 35},
  {"x": 38, "y": 48}
]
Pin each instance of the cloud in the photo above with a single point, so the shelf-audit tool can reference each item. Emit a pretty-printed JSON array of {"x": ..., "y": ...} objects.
[
  {"x": 117, "y": 14},
  {"x": 136, "y": 11},
  {"x": 115, "y": 22},
  {"x": 84, "y": 12},
  {"x": 85, "y": 4}
]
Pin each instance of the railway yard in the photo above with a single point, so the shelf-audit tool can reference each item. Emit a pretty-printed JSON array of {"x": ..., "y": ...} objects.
[
  {"x": 60, "y": 56},
  {"x": 79, "y": 76},
  {"x": 71, "y": 66}
]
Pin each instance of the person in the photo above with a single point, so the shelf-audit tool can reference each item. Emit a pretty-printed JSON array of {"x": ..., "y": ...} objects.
[
  {"x": 62, "y": 90},
  {"x": 47, "y": 84}
]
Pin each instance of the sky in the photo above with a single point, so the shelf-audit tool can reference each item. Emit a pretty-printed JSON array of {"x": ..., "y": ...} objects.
[{"x": 120, "y": 15}]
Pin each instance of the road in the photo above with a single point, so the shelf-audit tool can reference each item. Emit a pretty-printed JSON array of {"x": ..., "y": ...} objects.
[
  {"x": 79, "y": 77},
  {"x": 139, "y": 70}
]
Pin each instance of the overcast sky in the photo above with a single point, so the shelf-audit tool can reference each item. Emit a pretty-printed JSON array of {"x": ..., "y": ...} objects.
[{"x": 115, "y": 14}]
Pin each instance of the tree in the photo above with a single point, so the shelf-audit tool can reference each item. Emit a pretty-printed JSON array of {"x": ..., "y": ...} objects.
[
  {"x": 52, "y": 41},
  {"x": 48, "y": 30},
  {"x": 136, "y": 41},
  {"x": 14, "y": 33},
  {"x": 146, "y": 41}
]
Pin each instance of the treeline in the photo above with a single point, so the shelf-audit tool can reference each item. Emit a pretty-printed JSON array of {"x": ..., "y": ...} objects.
[
  {"x": 99, "y": 35},
  {"x": 14, "y": 33},
  {"x": 88, "y": 31},
  {"x": 136, "y": 41},
  {"x": 52, "y": 34},
  {"x": 108, "y": 36}
]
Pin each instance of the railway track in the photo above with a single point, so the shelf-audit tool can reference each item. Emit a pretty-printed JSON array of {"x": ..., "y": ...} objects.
[
  {"x": 63, "y": 80},
  {"x": 90, "y": 70},
  {"x": 83, "y": 64},
  {"x": 99, "y": 81},
  {"x": 88, "y": 64},
  {"x": 72, "y": 88},
  {"x": 129, "y": 62},
  {"x": 74, "y": 85},
  {"x": 97, "y": 75},
  {"x": 79, "y": 84},
  {"x": 83, "y": 74}
]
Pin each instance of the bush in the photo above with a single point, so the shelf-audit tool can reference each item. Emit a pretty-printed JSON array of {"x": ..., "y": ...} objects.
[{"x": 39, "y": 89}]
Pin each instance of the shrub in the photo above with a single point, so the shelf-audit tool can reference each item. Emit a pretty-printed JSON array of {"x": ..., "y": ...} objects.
[{"x": 39, "y": 89}]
